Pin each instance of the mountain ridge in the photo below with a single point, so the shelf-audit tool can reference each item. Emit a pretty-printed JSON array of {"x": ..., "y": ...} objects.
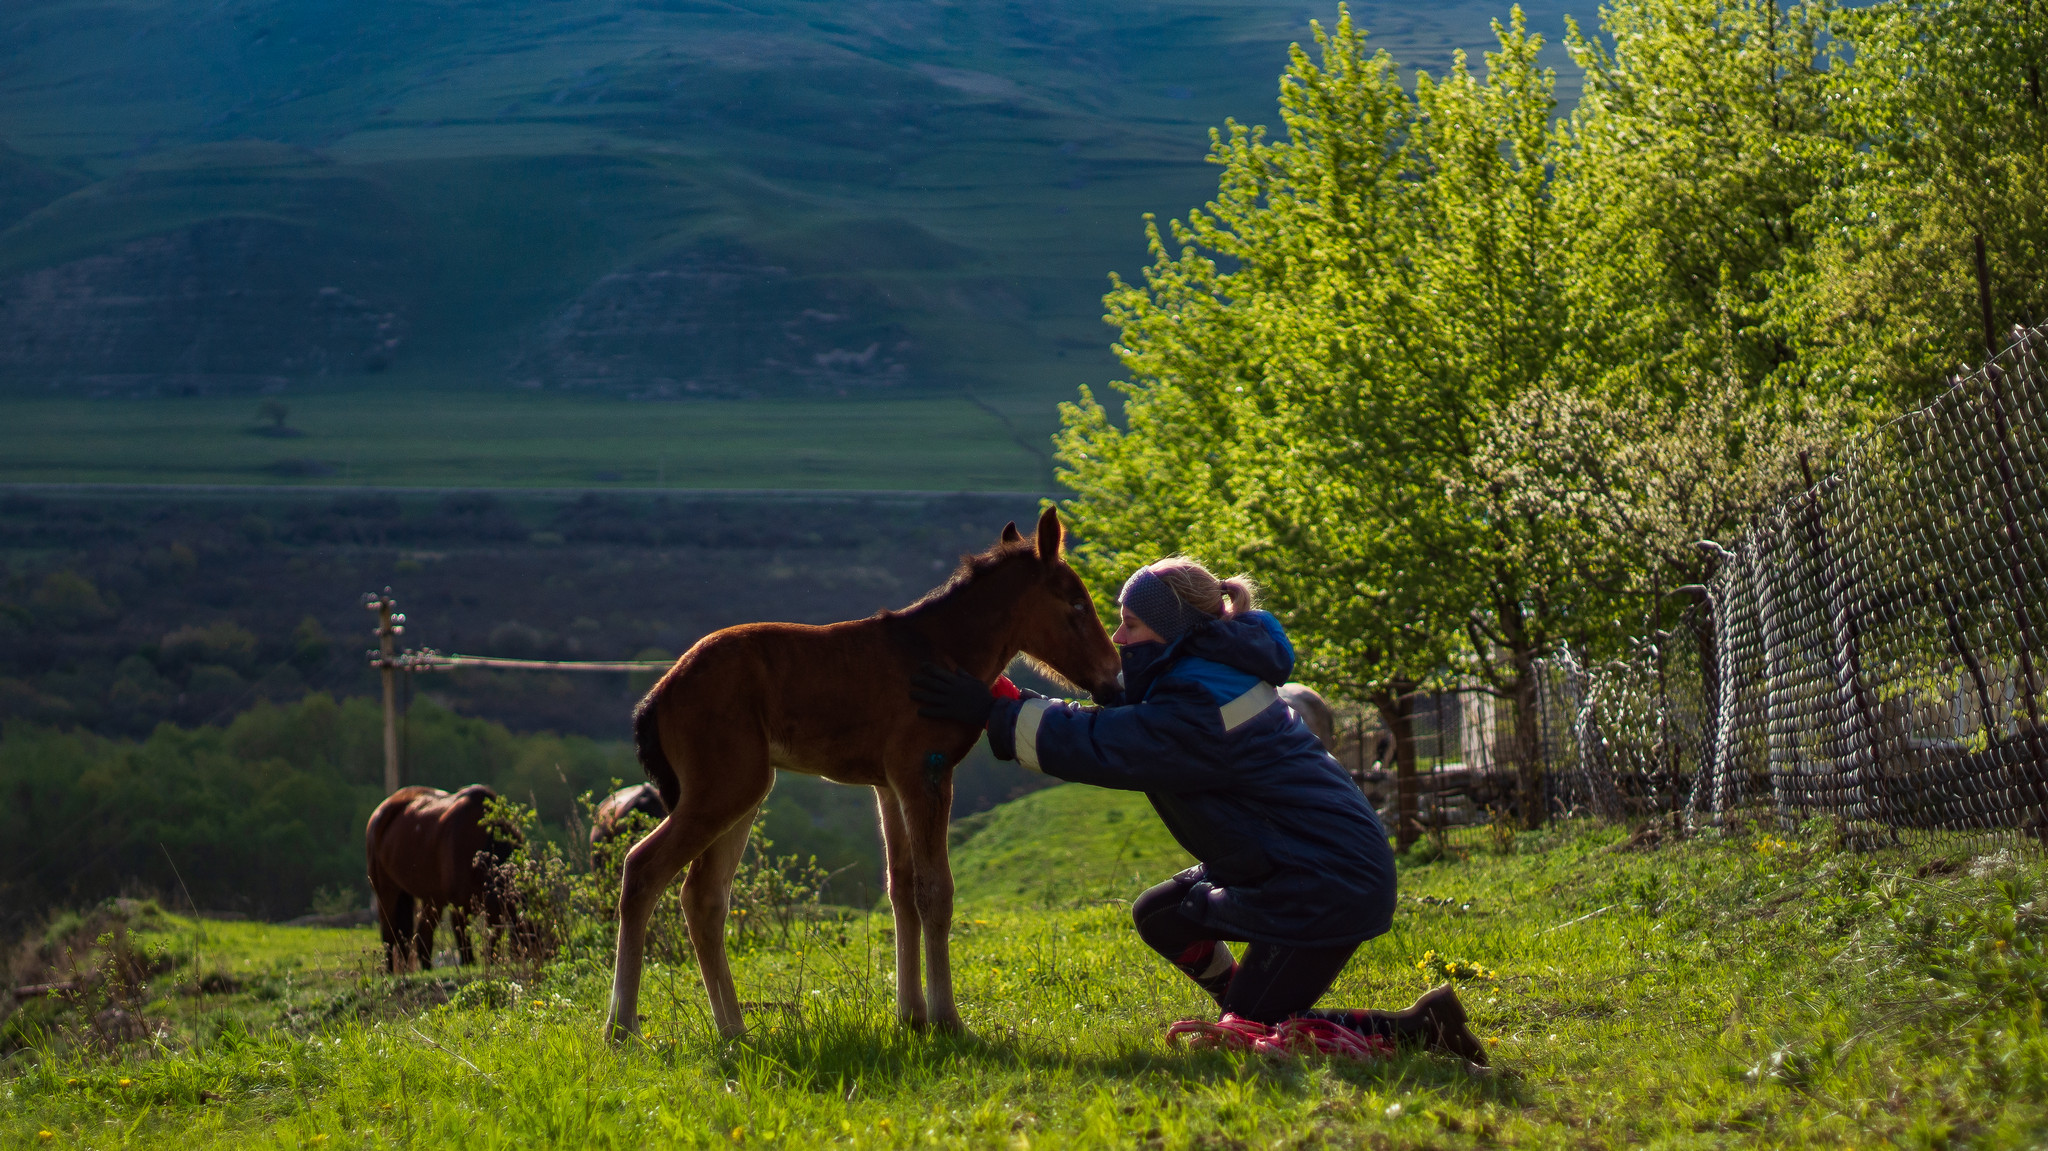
[{"x": 638, "y": 198}]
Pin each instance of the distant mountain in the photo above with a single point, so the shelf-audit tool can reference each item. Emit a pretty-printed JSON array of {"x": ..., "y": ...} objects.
[{"x": 637, "y": 197}]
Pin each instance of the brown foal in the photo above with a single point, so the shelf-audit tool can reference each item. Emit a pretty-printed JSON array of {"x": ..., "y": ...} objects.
[{"x": 834, "y": 701}]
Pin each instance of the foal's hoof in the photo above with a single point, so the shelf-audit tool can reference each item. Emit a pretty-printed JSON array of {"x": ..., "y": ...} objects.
[{"x": 617, "y": 1033}]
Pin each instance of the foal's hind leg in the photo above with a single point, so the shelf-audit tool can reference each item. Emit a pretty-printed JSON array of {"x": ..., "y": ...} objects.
[
  {"x": 707, "y": 894},
  {"x": 650, "y": 867}
]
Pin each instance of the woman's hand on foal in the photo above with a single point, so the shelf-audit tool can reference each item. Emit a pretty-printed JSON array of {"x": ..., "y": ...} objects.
[{"x": 951, "y": 694}]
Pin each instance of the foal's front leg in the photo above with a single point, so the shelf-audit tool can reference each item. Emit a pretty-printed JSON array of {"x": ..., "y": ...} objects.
[
  {"x": 926, "y": 814},
  {"x": 910, "y": 1006}
]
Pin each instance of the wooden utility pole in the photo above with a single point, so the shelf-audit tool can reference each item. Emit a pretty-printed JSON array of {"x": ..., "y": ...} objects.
[{"x": 389, "y": 626}]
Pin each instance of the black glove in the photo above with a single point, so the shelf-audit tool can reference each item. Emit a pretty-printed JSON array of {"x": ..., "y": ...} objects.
[{"x": 951, "y": 694}]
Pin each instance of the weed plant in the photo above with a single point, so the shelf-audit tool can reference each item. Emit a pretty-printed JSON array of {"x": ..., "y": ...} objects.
[{"x": 1744, "y": 989}]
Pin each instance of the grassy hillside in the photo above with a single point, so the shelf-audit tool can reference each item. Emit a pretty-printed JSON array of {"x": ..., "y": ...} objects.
[
  {"x": 1062, "y": 846},
  {"x": 778, "y": 198},
  {"x": 1759, "y": 990}
]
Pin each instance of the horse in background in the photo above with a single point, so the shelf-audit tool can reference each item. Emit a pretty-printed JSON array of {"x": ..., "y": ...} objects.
[
  {"x": 614, "y": 811},
  {"x": 834, "y": 701},
  {"x": 430, "y": 850},
  {"x": 1314, "y": 710},
  {"x": 1375, "y": 745}
]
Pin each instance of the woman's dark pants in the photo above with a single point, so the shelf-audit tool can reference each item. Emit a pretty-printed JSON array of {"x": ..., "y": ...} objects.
[
  {"x": 1276, "y": 982},
  {"x": 1270, "y": 982}
]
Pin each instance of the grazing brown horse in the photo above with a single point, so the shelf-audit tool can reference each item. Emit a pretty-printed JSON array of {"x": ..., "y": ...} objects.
[
  {"x": 424, "y": 846},
  {"x": 835, "y": 702},
  {"x": 608, "y": 822},
  {"x": 1314, "y": 710}
]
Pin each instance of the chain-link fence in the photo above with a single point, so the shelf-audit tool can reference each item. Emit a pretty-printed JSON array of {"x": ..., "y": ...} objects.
[
  {"x": 1869, "y": 652},
  {"x": 1877, "y": 640}
]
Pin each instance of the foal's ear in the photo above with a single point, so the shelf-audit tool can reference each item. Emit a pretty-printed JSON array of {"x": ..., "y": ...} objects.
[
  {"x": 1010, "y": 533},
  {"x": 1051, "y": 535}
]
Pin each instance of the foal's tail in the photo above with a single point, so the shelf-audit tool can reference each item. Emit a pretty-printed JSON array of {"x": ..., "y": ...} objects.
[{"x": 647, "y": 741}]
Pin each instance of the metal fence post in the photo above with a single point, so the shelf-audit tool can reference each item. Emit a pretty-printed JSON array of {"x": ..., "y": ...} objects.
[
  {"x": 1858, "y": 730},
  {"x": 2032, "y": 737}
]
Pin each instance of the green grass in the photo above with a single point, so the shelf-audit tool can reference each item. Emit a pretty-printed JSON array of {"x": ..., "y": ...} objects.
[
  {"x": 402, "y": 437},
  {"x": 1753, "y": 991}
]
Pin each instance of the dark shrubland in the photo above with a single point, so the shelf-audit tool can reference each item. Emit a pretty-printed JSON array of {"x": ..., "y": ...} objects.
[{"x": 258, "y": 816}]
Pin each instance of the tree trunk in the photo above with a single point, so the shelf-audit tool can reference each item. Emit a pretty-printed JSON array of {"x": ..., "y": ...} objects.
[{"x": 1396, "y": 704}]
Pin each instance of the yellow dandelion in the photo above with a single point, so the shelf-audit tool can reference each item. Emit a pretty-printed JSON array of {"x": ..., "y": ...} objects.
[
  {"x": 1998, "y": 945},
  {"x": 71, "y": 1083},
  {"x": 124, "y": 1082},
  {"x": 737, "y": 1134},
  {"x": 45, "y": 1136}
]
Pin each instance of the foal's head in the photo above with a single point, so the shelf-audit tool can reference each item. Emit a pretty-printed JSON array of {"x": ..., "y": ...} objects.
[{"x": 1054, "y": 621}]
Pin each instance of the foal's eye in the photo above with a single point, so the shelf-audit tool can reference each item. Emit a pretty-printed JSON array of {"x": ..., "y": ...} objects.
[{"x": 1081, "y": 607}]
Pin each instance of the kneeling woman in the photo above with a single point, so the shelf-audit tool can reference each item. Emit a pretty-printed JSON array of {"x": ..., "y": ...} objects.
[{"x": 1294, "y": 863}]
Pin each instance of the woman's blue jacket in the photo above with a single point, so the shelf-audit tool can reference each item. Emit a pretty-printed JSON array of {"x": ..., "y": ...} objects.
[{"x": 1291, "y": 853}]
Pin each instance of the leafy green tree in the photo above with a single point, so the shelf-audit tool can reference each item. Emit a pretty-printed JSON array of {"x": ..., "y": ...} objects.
[
  {"x": 1493, "y": 271},
  {"x": 1285, "y": 284},
  {"x": 1317, "y": 367},
  {"x": 1950, "y": 156},
  {"x": 1706, "y": 131},
  {"x": 1274, "y": 366},
  {"x": 1703, "y": 132},
  {"x": 276, "y": 412},
  {"x": 1461, "y": 385}
]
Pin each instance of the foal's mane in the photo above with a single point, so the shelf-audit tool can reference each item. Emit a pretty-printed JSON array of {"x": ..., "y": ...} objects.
[{"x": 971, "y": 568}]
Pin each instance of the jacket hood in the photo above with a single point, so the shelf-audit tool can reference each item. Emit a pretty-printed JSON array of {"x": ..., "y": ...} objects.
[{"x": 1253, "y": 643}]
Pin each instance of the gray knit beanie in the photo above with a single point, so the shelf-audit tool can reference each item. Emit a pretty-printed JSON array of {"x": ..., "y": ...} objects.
[{"x": 1152, "y": 600}]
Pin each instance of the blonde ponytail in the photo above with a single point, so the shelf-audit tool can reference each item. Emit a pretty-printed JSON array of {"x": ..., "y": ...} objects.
[{"x": 1239, "y": 594}]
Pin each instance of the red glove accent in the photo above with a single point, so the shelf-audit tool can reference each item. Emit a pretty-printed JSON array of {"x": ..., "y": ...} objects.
[{"x": 1004, "y": 689}]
